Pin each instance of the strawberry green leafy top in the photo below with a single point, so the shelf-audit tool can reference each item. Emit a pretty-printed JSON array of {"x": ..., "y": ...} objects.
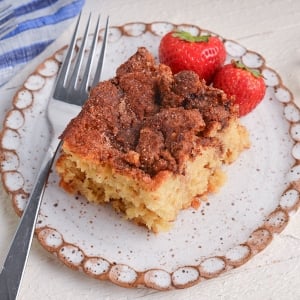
[
  {"x": 238, "y": 64},
  {"x": 186, "y": 36}
]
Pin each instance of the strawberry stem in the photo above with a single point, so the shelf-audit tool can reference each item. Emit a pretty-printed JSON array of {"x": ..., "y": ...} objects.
[
  {"x": 186, "y": 36},
  {"x": 238, "y": 64}
]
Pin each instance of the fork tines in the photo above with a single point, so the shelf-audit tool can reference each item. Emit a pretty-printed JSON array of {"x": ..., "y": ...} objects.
[{"x": 77, "y": 86}]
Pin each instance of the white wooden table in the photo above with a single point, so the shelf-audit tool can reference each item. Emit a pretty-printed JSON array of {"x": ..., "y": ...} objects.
[{"x": 269, "y": 27}]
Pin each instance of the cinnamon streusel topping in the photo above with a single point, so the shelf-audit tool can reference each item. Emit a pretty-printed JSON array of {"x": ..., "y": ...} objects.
[{"x": 148, "y": 118}]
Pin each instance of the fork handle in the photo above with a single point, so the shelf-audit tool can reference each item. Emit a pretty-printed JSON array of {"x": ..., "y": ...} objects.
[{"x": 14, "y": 265}]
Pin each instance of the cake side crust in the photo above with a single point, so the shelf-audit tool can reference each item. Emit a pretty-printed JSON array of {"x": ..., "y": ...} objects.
[{"x": 153, "y": 201}]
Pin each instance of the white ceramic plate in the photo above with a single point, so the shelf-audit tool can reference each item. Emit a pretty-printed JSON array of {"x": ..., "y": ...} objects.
[{"x": 261, "y": 193}]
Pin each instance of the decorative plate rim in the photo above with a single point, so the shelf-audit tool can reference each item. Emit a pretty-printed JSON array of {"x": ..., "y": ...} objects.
[{"x": 157, "y": 278}]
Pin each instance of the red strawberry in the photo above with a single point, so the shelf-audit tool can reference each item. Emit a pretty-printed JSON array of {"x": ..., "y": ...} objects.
[
  {"x": 245, "y": 85},
  {"x": 201, "y": 54}
]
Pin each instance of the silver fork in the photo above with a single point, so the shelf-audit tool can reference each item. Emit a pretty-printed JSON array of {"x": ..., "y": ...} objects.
[
  {"x": 7, "y": 19},
  {"x": 68, "y": 97}
]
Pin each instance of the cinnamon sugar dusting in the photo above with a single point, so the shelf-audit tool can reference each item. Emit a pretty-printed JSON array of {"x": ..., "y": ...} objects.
[{"x": 148, "y": 118}]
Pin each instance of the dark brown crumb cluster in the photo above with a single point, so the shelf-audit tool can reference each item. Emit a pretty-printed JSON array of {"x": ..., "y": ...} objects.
[{"x": 148, "y": 118}]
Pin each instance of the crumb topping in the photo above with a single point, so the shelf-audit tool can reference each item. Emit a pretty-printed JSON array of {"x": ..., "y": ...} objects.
[{"x": 148, "y": 118}]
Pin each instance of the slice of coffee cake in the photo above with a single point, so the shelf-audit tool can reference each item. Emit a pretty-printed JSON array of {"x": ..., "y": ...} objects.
[{"x": 150, "y": 142}]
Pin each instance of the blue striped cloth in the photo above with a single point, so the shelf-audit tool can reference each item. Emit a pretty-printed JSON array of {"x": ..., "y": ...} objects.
[{"x": 38, "y": 24}]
